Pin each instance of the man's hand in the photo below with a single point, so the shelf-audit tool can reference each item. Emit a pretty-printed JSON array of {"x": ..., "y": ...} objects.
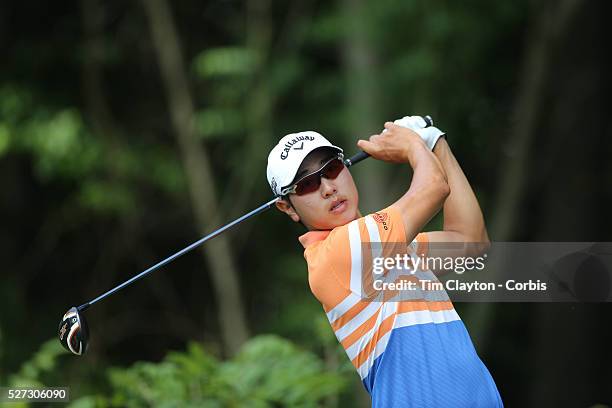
[
  {"x": 396, "y": 144},
  {"x": 430, "y": 135}
]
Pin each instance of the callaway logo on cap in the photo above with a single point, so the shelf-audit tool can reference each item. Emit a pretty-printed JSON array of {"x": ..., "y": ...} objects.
[{"x": 285, "y": 158}]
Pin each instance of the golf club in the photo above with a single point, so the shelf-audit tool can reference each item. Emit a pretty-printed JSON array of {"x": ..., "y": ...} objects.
[{"x": 73, "y": 331}]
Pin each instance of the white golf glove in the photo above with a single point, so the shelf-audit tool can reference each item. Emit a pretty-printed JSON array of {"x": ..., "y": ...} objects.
[{"x": 430, "y": 135}]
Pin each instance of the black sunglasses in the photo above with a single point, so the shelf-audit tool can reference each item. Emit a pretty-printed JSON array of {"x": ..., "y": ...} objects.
[{"x": 312, "y": 181}]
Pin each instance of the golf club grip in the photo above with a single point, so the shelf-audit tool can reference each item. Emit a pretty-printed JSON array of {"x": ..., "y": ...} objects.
[
  {"x": 363, "y": 155},
  {"x": 356, "y": 158}
]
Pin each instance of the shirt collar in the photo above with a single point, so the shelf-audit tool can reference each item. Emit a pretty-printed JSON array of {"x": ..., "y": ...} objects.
[{"x": 312, "y": 237}]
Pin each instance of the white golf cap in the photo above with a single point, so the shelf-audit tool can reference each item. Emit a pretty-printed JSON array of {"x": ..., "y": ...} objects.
[{"x": 286, "y": 157}]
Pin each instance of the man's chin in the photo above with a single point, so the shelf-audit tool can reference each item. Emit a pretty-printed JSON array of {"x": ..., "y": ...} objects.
[{"x": 340, "y": 220}]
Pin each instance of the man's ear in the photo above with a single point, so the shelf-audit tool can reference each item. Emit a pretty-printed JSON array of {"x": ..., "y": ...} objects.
[{"x": 285, "y": 206}]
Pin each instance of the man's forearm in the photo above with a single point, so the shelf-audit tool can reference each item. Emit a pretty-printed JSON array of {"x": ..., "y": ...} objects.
[
  {"x": 424, "y": 164},
  {"x": 462, "y": 214}
]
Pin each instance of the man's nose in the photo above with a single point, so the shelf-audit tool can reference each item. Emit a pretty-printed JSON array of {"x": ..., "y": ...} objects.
[{"x": 328, "y": 187}]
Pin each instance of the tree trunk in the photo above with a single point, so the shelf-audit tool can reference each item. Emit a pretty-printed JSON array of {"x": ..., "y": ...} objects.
[
  {"x": 547, "y": 30},
  {"x": 362, "y": 116},
  {"x": 258, "y": 114},
  {"x": 569, "y": 346},
  {"x": 362, "y": 100},
  {"x": 199, "y": 174}
]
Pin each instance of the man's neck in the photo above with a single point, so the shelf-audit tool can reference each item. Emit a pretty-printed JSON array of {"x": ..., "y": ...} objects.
[{"x": 315, "y": 229}]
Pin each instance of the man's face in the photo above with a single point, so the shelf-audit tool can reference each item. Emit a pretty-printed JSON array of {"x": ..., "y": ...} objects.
[{"x": 335, "y": 203}]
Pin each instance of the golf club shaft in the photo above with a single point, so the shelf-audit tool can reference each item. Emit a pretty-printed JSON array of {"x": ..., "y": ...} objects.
[
  {"x": 355, "y": 159},
  {"x": 183, "y": 251}
]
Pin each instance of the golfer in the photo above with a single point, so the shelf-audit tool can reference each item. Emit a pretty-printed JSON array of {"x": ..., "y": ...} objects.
[{"x": 410, "y": 352}]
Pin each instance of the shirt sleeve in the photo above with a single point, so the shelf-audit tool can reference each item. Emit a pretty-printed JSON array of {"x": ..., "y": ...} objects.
[
  {"x": 390, "y": 225},
  {"x": 329, "y": 267}
]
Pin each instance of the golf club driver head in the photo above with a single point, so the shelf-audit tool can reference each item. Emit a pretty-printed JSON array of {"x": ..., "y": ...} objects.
[{"x": 73, "y": 332}]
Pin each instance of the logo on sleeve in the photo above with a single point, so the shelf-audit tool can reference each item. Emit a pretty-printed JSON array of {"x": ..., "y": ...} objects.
[{"x": 381, "y": 218}]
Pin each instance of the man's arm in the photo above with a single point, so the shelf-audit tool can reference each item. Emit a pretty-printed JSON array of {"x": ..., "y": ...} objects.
[
  {"x": 428, "y": 188},
  {"x": 463, "y": 219}
]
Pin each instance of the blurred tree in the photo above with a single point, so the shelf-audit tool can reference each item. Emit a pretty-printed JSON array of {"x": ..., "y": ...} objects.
[
  {"x": 549, "y": 28},
  {"x": 363, "y": 97},
  {"x": 543, "y": 42},
  {"x": 232, "y": 318}
]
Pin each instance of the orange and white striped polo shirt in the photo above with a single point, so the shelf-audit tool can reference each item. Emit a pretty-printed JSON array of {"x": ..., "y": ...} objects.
[{"x": 377, "y": 333}]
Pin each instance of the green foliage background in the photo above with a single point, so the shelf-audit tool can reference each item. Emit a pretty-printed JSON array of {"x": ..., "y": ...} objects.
[{"x": 95, "y": 186}]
